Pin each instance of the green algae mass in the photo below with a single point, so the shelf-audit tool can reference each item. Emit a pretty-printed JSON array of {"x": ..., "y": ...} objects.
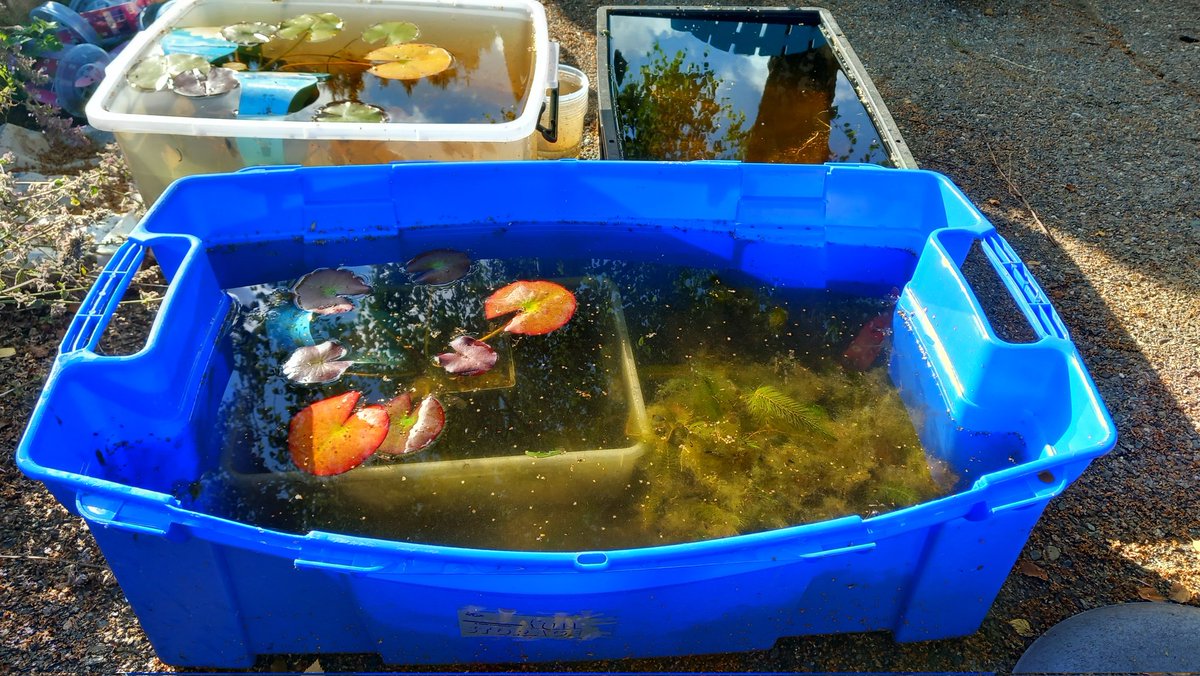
[{"x": 739, "y": 448}]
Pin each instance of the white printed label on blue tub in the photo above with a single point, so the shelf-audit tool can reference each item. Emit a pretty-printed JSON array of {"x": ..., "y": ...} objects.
[{"x": 475, "y": 621}]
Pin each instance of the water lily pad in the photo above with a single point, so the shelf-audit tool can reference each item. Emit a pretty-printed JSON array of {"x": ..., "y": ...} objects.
[
  {"x": 316, "y": 363},
  {"x": 316, "y": 27},
  {"x": 394, "y": 32},
  {"x": 249, "y": 33},
  {"x": 440, "y": 266},
  {"x": 470, "y": 357},
  {"x": 329, "y": 437},
  {"x": 197, "y": 83},
  {"x": 327, "y": 291},
  {"x": 350, "y": 111},
  {"x": 409, "y": 62},
  {"x": 541, "y": 306},
  {"x": 412, "y": 431},
  {"x": 155, "y": 73}
]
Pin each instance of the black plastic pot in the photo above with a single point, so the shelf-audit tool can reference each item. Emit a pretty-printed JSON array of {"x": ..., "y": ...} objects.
[{"x": 816, "y": 102}]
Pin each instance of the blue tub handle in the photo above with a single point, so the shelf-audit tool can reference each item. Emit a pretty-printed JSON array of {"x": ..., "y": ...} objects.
[
  {"x": 332, "y": 567},
  {"x": 101, "y": 301},
  {"x": 849, "y": 549},
  {"x": 1024, "y": 289},
  {"x": 128, "y": 516}
]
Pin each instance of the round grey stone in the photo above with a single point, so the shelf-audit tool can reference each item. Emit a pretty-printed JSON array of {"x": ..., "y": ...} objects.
[{"x": 1131, "y": 637}]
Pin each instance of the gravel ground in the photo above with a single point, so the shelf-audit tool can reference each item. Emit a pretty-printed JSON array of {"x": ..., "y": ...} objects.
[{"x": 1075, "y": 125}]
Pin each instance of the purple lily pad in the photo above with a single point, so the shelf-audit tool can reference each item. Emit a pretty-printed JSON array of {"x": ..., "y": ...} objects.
[
  {"x": 316, "y": 363},
  {"x": 409, "y": 431},
  {"x": 440, "y": 266},
  {"x": 327, "y": 291},
  {"x": 471, "y": 357}
]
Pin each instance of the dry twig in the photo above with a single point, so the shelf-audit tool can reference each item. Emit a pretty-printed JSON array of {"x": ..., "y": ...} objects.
[
  {"x": 1016, "y": 192},
  {"x": 35, "y": 557}
]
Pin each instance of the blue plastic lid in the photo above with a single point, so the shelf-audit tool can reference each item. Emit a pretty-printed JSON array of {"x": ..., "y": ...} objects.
[
  {"x": 150, "y": 12},
  {"x": 80, "y": 70},
  {"x": 270, "y": 94},
  {"x": 183, "y": 41},
  {"x": 82, "y": 6},
  {"x": 67, "y": 19}
]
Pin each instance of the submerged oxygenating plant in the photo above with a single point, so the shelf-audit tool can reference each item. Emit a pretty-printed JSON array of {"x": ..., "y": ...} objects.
[{"x": 745, "y": 447}]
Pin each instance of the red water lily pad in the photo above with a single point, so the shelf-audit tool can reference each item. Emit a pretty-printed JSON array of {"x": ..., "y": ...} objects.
[
  {"x": 541, "y": 306},
  {"x": 329, "y": 437},
  {"x": 440, "y": 266},
  {"x": 316, "y": 363},
  {"x": 327, "y": 291},
  {"x": 412, "y": 431},
  {"x": 470, "y": 357}
]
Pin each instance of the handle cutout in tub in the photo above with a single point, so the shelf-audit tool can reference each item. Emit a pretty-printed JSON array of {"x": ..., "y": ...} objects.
[
  {"x": 129, "y": 325},
  {"x": 1001, "y": 309},
  {"x": 97, "y": 309}
]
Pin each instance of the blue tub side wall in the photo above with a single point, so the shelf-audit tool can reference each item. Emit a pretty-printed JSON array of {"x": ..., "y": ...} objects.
[{"x": 211, "y": 604}]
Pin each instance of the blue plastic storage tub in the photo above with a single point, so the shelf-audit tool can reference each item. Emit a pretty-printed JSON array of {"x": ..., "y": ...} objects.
[{"x": 214, "y": 592}]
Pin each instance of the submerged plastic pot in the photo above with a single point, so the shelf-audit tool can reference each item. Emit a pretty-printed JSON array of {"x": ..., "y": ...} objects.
[{"x": 756, "y": 84}]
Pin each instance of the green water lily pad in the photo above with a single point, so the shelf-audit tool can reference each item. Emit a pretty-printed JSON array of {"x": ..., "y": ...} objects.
[
  {"x": 154, "y": 73},
  {"x": 316, "y": 27},
  {"x": 411, "y": 61},
  {"x": 249, "y": 33},
  {"x": 350, "y": 111},
  {"x": 394, "y": 32},
  {"x": 196, "y": 83}
]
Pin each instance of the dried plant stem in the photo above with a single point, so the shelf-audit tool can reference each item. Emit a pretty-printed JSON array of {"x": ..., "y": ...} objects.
[
  {"x": 307, "y": 64},
  {"x": 1018, "y": 65},
  {"x": 1016, "y": 192},
  {"x": 299, "y": 41},
  {"x": 493, "y": 334},
  {"x": 35, "y": 557}
]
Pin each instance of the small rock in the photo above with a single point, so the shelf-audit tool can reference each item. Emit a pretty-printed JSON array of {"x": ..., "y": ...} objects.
[
  {"x": 1052, "y": 552},
  {"x": 98, "y": 136},
  {"x": 1035, "y": 554},
  {"x": 110, "y": 232},
  {"x": 27, "y": 147}
]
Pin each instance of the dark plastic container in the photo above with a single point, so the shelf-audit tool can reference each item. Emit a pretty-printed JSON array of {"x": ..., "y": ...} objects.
[
  {"x": 114, "y": 437},
  {"x": 811, "y": 68}
]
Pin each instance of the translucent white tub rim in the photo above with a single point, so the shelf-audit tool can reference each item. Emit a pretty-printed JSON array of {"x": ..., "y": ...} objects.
[{"x": 100, "y": 117}]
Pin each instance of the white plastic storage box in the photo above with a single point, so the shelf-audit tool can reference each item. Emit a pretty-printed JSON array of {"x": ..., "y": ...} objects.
[{"x": 497, "y": 45}]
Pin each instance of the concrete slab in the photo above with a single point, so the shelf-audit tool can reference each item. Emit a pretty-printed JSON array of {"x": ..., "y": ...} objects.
[{"x": 1131, "y": 637}]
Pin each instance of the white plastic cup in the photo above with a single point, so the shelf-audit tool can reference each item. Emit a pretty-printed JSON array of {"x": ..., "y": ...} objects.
[{"x": 572, "y": 107}]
